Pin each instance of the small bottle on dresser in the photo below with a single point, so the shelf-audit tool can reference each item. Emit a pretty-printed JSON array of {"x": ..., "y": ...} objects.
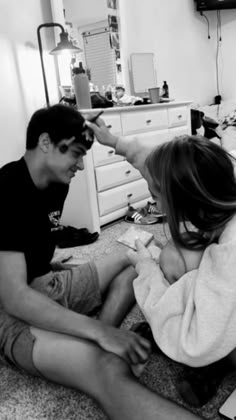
[
  {"x": 165, "y": 90},
  {"x": 81, "y": 87},
  {"x": 108, "y": 93}
]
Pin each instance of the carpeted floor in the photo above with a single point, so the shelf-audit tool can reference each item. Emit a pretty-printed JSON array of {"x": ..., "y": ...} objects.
[{"x": 25, "y": 398}]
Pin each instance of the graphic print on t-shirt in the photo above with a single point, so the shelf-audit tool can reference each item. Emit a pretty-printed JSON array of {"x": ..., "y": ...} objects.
[{"x": 54, "y": 218}]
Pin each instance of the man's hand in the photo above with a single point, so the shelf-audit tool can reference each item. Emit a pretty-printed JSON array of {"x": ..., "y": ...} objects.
[
  {"x": 102, "y": 132},
  {"x": 126, "y": 344}
]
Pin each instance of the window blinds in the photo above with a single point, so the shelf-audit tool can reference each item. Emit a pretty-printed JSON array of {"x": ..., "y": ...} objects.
[{"x": 100, "y": 57}]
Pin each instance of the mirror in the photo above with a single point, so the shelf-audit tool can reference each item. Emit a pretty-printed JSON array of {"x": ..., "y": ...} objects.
[{"x": 93, "y": 25}]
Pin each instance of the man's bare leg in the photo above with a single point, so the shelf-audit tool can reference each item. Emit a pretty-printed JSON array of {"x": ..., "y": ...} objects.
[
  {"x": 104, "y": 376},
  {"x": 116, "y": 282},
  {"x": 120, "y": 298}
]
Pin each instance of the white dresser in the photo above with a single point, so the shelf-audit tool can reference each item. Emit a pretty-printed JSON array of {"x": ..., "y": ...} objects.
[{"x": 101, "y": 193}]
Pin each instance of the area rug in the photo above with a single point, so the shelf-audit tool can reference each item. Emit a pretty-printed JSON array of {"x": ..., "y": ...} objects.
[{"x": 25, "y": 398}]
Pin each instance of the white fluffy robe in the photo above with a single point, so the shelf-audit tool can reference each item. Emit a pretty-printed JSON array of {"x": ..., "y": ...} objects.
[{"x": 194, "y": 320}]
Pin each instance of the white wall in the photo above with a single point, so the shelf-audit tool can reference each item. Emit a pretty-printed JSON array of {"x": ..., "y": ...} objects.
[
  {"x": 21, "y": 84},
  {"x": 176, "y": 33},
  {"x": 172, "y": 29},
  {"x": 83, "y": 12}
]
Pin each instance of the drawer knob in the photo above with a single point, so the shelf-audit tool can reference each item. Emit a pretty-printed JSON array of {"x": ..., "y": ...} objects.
[
  {"x": 129, "y": 195},
  {"x": 110, "y": 152},
  {"x": 180, "y": 116},
  {"x": 128, "y": 172},
  {"x": 148, "y": 121},
  {"x": 109, "y": 126}
]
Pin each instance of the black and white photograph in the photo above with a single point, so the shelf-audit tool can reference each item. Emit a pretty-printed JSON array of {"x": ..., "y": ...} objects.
[
  {"x": 112, "y": 4},
  {"x": 117, "y": 52},
  {"x": 112, "y": 22},
  {"x": 118, "y": 210},
  {"x": 118, "y": 67},
  {"x": 114, "y": 40}
]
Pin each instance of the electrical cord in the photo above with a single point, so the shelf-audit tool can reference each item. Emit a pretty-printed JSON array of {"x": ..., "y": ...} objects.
[
  {"x": 217, "y": 56},
  {"x": 219, "y": 22},
  {"x": 219, "y": 39},
  {"x": 208, "y": 24}
]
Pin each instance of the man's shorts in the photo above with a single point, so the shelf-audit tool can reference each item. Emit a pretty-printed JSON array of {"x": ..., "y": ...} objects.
[{"x": 76, "y": 288}]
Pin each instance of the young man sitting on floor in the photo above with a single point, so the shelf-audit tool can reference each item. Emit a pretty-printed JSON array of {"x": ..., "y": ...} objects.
[{"x": 44, "y": 324}]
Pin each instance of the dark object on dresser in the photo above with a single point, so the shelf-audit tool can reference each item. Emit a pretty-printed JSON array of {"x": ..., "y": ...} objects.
[{"x": 99, "y": 101}]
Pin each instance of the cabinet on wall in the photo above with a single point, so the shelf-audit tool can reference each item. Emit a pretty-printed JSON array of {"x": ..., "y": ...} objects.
[{"x": 102, "y": 192}]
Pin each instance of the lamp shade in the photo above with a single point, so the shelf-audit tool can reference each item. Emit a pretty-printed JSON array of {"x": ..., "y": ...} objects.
[{"x": 65, "y": 45}]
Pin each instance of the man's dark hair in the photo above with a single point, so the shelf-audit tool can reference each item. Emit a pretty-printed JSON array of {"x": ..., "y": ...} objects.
[
  {"x": 120, "y": 88},
  {"x": 60, "y": 122}
]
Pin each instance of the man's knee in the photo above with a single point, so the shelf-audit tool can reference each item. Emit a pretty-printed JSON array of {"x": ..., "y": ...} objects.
[
  {"x": 89, "y": 360},
  {"x": 126, "y": 277},
  {"x": 112, "y": 366}
]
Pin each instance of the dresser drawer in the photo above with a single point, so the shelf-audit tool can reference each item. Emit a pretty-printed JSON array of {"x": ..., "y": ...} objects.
[
  {"x": 110, "y": 176},
  {"x": 136, "y": 121},
  {"x": 114, "y": 123},
  {"x": 111, "y": 120},
  {"x": 116, "y": 198},
  {"x": 178, "y": 116},
  {"x": 151, "y": 139},
  {"x": 102, "y": 155},
  {"x": 178, "y": 131}
]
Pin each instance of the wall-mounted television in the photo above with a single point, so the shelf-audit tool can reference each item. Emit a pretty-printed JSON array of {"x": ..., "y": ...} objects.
[{"x": 215, "y": 4}]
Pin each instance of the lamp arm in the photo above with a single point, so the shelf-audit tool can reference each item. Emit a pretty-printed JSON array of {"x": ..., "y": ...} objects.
[
  {"x": 45, "y": 25},
  {"x": 49, "y": 25}
]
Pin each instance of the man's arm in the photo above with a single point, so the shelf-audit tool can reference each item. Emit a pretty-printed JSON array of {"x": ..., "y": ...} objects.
[{"x": 27, "y": 304}]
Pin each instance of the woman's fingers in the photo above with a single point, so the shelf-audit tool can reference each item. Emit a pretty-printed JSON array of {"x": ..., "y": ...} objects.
[
  {"x": 142, "y": 251},
  {"x": 133, "y": 257},
  {"x": 140, "y": 352},
  {"x": 139, "y": 244}
]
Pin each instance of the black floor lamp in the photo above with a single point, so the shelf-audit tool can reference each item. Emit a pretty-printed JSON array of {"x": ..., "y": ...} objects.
[{"x": 63, "y": 45}]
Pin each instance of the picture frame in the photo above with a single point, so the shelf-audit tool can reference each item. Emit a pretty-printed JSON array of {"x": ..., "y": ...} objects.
[{"x": 112, "y": 4}]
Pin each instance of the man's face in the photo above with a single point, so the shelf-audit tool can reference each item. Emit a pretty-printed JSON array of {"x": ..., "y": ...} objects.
[
  {"x": 119, "y": 93},
  {"x": 64, "y": 160}
]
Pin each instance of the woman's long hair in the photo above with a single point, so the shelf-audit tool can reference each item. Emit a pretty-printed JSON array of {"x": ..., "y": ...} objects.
[{"x": 195, "y": 178}]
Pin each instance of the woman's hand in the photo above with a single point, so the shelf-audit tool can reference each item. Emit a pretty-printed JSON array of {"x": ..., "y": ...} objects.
[
  {"x": 102, "y": 133},
  {"x": 141, "y": 258},
  {"x": 126, "y": 344}
]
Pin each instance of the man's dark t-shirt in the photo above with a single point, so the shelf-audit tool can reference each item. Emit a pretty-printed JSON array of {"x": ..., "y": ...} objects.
[{"x": 29, "y": 216}]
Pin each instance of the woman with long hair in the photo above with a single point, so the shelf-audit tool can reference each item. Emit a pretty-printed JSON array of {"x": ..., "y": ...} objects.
[{"x": 193, "y": 320}]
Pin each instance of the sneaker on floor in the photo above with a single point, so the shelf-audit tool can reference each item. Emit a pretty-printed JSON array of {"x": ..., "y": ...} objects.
[
  {"x": 152, "y": 209},
  {"x": 139, "y": 217}
]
